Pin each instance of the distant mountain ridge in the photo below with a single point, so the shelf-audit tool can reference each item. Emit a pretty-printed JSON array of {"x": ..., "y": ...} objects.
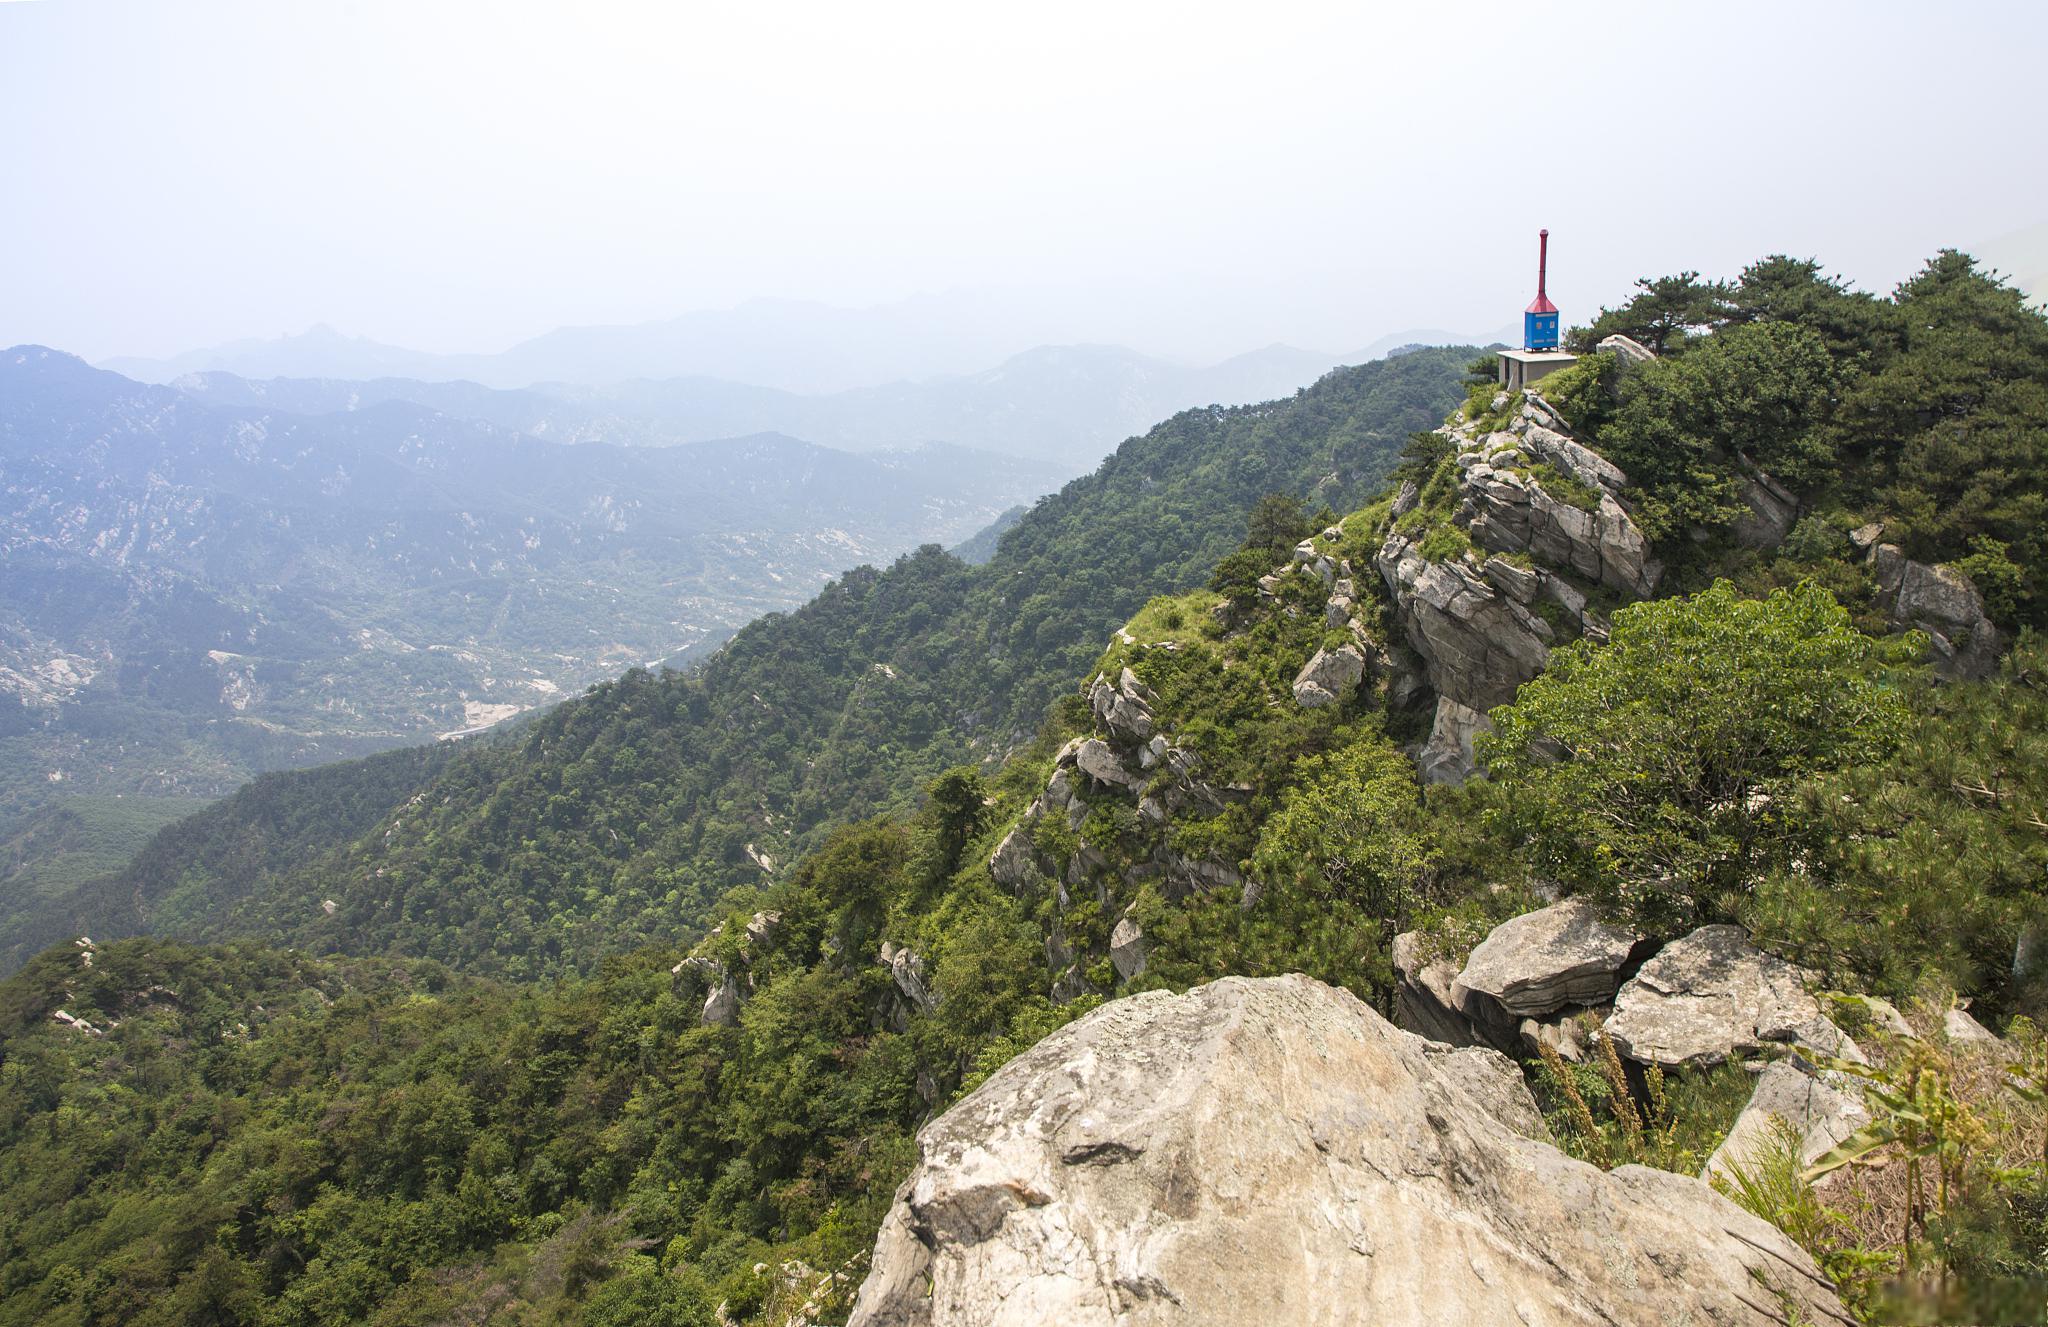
[
  {"x": 198, "y": 590},
  {"x": 1064, "y": 404}
]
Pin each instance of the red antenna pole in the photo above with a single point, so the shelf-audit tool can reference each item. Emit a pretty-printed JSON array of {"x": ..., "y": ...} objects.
[{"x": 1542, "y": 261}]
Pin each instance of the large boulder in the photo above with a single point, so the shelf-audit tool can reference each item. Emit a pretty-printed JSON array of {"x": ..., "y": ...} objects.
[
  {"x": 906, "y": 972},
  {"x": 1508, "y": 511},
  {"x": 1014, "y": 863},
  {"x": 1820, "y": 1114},
  {"x": 1127, "y": 948},
  {"x": 722, "y": 1003},
  {"x": 1448, "y": 756},
  {"x": 1627, "y": 351},
  {"x": 1712, "y": 996},
  {"x": 1126, "y": 708},
  {"x": 1273, "y": 1151},
  {"x": 1098, "y": 760},
  {"x": 1944, "y": 603},
  {"x": 1330, "y": 676},
  {"x": 1772, "y": 511},
  {"x": 1544, "y": 961}
]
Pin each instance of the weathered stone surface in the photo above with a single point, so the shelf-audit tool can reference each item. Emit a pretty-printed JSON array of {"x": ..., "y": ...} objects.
[
  {"x": 1126, "y": 708},
  {"x": 1544, "y": 961},
  {"x": 1712, "y": 996},
  {"x": 1477, "y": 644},
  {"x": 1885, "y": 1016},
  {"x": 1273, "y": 1151},
  {"x": 1127, "y": 948},
  {"x": 1821, "y": 1115},
  {"x": 1964, "y": 1030},
  {"x": 722, "y": 1004},
  {"x": 762, "y": 928},
  {"x": 1627, "y": 350},
  {"x": 1505, "y": 512},
  {"x": 1098, "y": 760},
  {"x": 906, "y": 970},
  {"x": 1329, "y": 677},
  {"x": 1772, "y": 511},
  {"x": 1565, "y": 1035},
  {"x": 1015, "y": 860},
  {"x": 1942, "y": 602},
  {"x": 1447, "y": 756},
  {"x": 1422, "y": 993}
]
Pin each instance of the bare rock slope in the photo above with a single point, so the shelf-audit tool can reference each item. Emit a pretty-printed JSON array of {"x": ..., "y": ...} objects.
[{"x": 1273, "y": 1151}]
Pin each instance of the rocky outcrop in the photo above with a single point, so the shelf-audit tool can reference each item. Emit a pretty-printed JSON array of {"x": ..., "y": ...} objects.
[
  {"x": 1127, "y": 948},
  {"x": 1508, "y": 510},
  {"x": 1131, "y": 758},
  {"x": 1274, "y": 1151},
  {"x": 1772, "y": 511},
  {"x": 1448, "y": 755},
  {"x": 1126, "y": 708},
  {"x": 1479, "y": 644},
  {"x": 1627, "y": 351},
  {"x": 722, "y": 1003},
  {"x": 1098, "y": 760},
  {"x": 1329, "y": 677},
  {"x": 762, "y": 929},
  {"x": 906, "y": 973},
  {"x": 1015, "y": 862},
  {"x": 1422, "y": 993},
  {"x": 1483, "y": 625},
  {"x": 1712, "y": 996},
  {"x": 1542, "y": 962},
  {"x": 1963, "y": 1030},
  {"x": 1942, "y": 602},
  {"x": 1819, "y": 1114}
]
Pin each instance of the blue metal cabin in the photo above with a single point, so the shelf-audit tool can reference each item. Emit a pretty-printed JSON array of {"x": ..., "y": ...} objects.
[{"x": 1539, "y": 320}]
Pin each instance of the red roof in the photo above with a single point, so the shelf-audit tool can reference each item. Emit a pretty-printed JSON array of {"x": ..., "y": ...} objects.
[{"x": 1542, "y": 304}]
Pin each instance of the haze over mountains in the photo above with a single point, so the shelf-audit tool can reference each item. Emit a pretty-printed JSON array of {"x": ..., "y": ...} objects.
[
  {"x": 855, "y": 379},
  {"x": 198, "y": 590}
]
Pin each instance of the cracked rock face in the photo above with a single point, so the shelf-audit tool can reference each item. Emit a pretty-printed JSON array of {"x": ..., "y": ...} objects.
[
  {"x": 1329, "y": 677},
  {"x": 1479, "y": 645},
  {"x": 1713, "y": 996},
  {"x": 1273, "y": 1151},
  {"x": 1544, "y": 961},
  {"x": 1820, "y": 1113},
  {"x": 1942, "y": 602}
]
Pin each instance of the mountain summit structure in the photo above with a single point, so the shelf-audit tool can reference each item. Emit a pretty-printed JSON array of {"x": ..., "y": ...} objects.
[{"x": 1539, "y": 354}]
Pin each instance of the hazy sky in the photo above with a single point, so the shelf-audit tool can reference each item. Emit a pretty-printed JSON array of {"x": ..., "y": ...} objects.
[{"x": 1188, "y": 179}]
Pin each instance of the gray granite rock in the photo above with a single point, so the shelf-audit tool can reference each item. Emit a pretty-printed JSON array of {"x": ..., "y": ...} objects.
[
  {"x": 1544, "y": 961},
  {"x": 1712, "y": 996},
  {"x": 1819, "y": 1113},
  {"x": 1273, "y": 1151},
  {"x": 1329, "y": 677}
]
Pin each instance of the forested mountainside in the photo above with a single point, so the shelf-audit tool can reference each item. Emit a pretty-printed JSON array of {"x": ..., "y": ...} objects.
[
  {"x": 196, "y": 592},
  {"x": 1751, "y": 721},
  {"x": 620, "y": 817}
]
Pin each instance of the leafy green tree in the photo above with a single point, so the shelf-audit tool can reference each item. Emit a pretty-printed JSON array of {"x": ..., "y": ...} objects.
[
  {"x": 1685, "y": 427},
  {"x": 1950, "y": 435},
  {"x": 954, "y": 812},
  {"x": 1650, "y": 772},
  {"x": 1661, "y": 315},
  {"x": 1855, "y": 326},
  {"x": 1932, "y": 864},
  {"x": 1350, "y": 831},
  {"x": 1275, "y": 524}
]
